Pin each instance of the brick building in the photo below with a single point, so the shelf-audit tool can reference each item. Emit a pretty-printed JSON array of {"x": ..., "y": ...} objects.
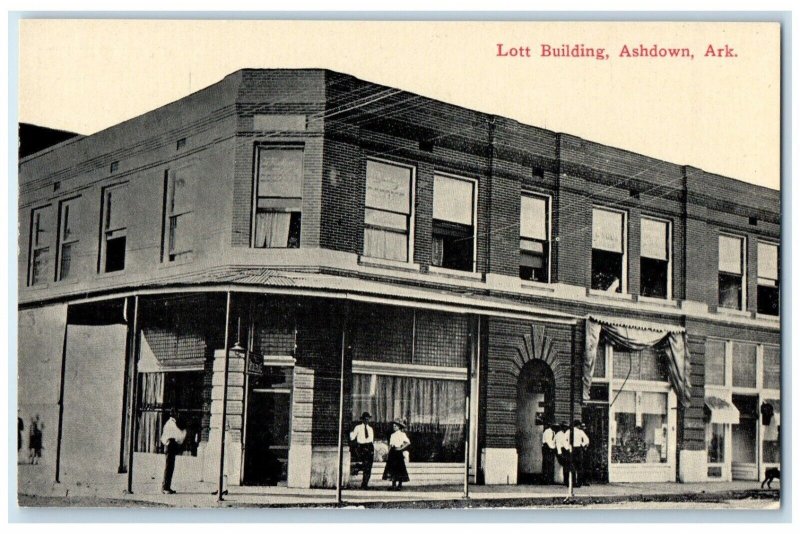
[{"x": 344, "y": 241}]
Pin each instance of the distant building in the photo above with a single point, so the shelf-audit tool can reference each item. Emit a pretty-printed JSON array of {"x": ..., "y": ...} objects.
[
  {"x": 474, "y": 275},
  {"x": 33, "y": 138}
]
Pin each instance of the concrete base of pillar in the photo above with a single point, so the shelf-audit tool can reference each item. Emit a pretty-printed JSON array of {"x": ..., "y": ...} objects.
[
  {"x": 499, "y": 466},
  {"x": 693, "y": 467}
]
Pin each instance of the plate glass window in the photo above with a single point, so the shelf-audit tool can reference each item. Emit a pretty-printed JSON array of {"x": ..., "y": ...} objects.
[
  {"x": 67, "y": 237},
  {"x": 279, "y": 195},
  {"x": 768, "y": 295},
  {"x": 655, "y": 258},
  {"x": 115, "y": 228},
  {"x": 731, "y": 270},
  {"x": 534, "y": 239},
  {"x": 453, "y": 223},
  {"x": 178, "y": 226},
  {"x": 608, "y": 250},
  {"x": 41, "y": 236},
  {"x": 387, "y": 212}
]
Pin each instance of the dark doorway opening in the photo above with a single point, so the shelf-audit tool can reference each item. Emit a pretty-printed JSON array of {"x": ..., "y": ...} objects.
[
  {"x": 535, "y": 408},
  {"x": 595, "y": 417},
  {"x": 266, "y": 456}
]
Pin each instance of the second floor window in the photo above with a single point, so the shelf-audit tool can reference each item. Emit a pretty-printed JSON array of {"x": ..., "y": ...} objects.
[
  {"x": 67, "y": 237},
  {"x": 278, "y": 199},
  {"x": 115, "y": 228},
  {"x": 608, "y": 250},
  {"x": 178, "y": 225},
  {"x": 387, "y": 211},
  {"x": 655, "y": 258},
  {"x": 731, "y": 272},
  {"x": 534, "y": 239},
  {"x": 41, "y": 236},
  {"x": 453, "y": 243},
  {"x": 768, "y": 279}
]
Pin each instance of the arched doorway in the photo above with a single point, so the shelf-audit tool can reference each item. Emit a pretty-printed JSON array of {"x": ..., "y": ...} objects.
[{"x": 535, "y": 407}]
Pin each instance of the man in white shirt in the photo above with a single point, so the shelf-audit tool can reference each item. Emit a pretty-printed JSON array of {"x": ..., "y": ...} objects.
[
  {"x": 548, "y": 451},
  {"x": 563, "y": 450},
  {"x": 172, "y": 438},
  {"x": 364, "y": 437},
  {"x": 580, "y": 444}
]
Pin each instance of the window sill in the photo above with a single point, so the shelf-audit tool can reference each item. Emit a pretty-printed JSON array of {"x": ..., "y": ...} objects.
[
  {"x": 112, "y": 274},
  {"x": 455, "y": 273},
  {"x": 607, "y": 295},
  {"x": 661, "y": 302},
  {"x": 766, "y": 317},
  {"x": 540, "y": 286},
  {"x": 369, "y": 261},
  {"x": 733, "y": 313}
]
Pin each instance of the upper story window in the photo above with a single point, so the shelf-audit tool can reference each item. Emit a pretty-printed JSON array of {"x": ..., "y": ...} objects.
[
  {"x": 768, "y": 294},
  {"x": 731, "y": 272},
  {"x": 387, "y": 211},
  {"x": 114, "y": 228},
  {"x": 655, "y": 259},
  {"x": 278, "y": 199},
  {"x": 179, "y": 210},
  {"x": 453, "y": 243},
  {"x": 67, "y": 237},
  {"x": 40, "y": 240},
  {"x": 534, "y": 238},
  {"x": 609, "y": 267}
]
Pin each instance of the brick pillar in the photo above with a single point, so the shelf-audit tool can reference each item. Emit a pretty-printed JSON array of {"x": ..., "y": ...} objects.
[{"x": 234, "y": 418}]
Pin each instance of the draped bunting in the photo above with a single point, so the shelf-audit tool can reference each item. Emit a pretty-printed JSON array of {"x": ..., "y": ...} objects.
[{"x": 635, "y": 336}]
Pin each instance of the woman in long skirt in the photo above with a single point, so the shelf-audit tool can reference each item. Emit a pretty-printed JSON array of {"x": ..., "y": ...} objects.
[{"x": 396, "y": 463}]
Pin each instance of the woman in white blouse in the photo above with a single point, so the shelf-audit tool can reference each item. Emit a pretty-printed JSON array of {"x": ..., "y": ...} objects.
[{"x": 396, "y": 463}]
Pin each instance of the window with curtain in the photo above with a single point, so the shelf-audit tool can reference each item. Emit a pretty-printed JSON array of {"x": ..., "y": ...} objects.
[
  {"x": 768, "y": 290},
  {"x": 731, "y": 269},
  {"x": 744, "y": 365},
  {"x": 772, "y": 367},
  {"x": 654, "y": 258},
  {"x": 67, "y": 236},
  {"x": 715, "y": 363},
  {"x": 434, "y": 410},
  {"x": 608, "y": 250},
  {"x": 179, "y": 227},
  {"x": 115, "y": 228},
  {"x": 41, "y": 236},
  {"x": 453, "y": 231},
  {"x": 534, "y": 238},
  {"x": 158, "y": 394},
  {"x": 278, "y": 199},
  {"x": 640, "y": 433},
  {"x": 387, "y": 211}
]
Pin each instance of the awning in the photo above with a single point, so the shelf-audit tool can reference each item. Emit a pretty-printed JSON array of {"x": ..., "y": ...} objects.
[
  {"x": 636, "y": 335},
  {"x": 722, "y": 412}
]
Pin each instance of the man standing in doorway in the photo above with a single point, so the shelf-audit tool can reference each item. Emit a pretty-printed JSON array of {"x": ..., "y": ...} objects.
[
  {"x": 364, "y": 437},
  {"x": 580, "y": 444},
  {"x": 172, "y": 438},
  {"x": 548, "y": 451}
]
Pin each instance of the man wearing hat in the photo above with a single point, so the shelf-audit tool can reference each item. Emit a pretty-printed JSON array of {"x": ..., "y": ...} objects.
[
  {"x": 563, "y": 449},
  {"x": 548, "y": 451},
  {"x": 580, "y": 443},
  {"x": 364, "y": 437}
]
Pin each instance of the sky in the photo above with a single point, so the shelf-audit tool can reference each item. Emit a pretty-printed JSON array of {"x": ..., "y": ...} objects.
[{"x": 718, "y": 111}]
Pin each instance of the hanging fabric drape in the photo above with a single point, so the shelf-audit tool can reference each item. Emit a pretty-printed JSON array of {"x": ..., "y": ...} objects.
[{"x": 637, "y": 336}]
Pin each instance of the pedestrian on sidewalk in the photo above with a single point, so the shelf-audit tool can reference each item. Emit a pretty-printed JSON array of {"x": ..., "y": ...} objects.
[
  {"x": 172, "y": 437},
  {"x": 548, "y": 451},
  {"x": 35, "y": 440},
  {"x": 364, "y": 437},
  {"x": 396, "y": 461},
  {"x": 563, "y": 449},
  {"x": 580, "y": 444}
]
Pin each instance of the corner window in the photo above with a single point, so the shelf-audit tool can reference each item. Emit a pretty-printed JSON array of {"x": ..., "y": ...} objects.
[
  {"x": 655, "y": 266},
  {"x": 179, "y": 214},
  {"x": 731, "y": 272},
  {"x": 115, "y": 228},
  {"x": 278, "y": 199},
  {"x": 67, "y": 237},
  {"x": 453, "y": 243},
  {"x": 534, "y": 238},
  {"x": 608, "y": 251},
  {"x": 768, "y": 291},
  {"x": 40, "y": 238},
  {"x": 387, "y": 211}
]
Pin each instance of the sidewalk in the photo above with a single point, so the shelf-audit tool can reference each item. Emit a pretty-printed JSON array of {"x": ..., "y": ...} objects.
[{"x": 450, "y": 496}]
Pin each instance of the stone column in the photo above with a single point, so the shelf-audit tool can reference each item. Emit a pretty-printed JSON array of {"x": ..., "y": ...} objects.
[{"x": 234, "y": 418}]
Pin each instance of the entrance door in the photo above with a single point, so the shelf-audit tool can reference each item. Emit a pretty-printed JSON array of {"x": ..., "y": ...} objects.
[
  {"x": 266, "y": 445},
  {"x": 534, "y": 409},
  {"x": 595, "y": 417},
  {"x": 745, "y": 438}
]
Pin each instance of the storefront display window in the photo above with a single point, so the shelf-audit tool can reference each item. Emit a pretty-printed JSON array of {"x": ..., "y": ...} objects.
[
  {"x": 771, "y": 430},
  {"x": 715, "y": 443},
  {"x": 639, "y": 434},
  {"x": 159, "y": 393},
  {"x": 433, "y": 408}
]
